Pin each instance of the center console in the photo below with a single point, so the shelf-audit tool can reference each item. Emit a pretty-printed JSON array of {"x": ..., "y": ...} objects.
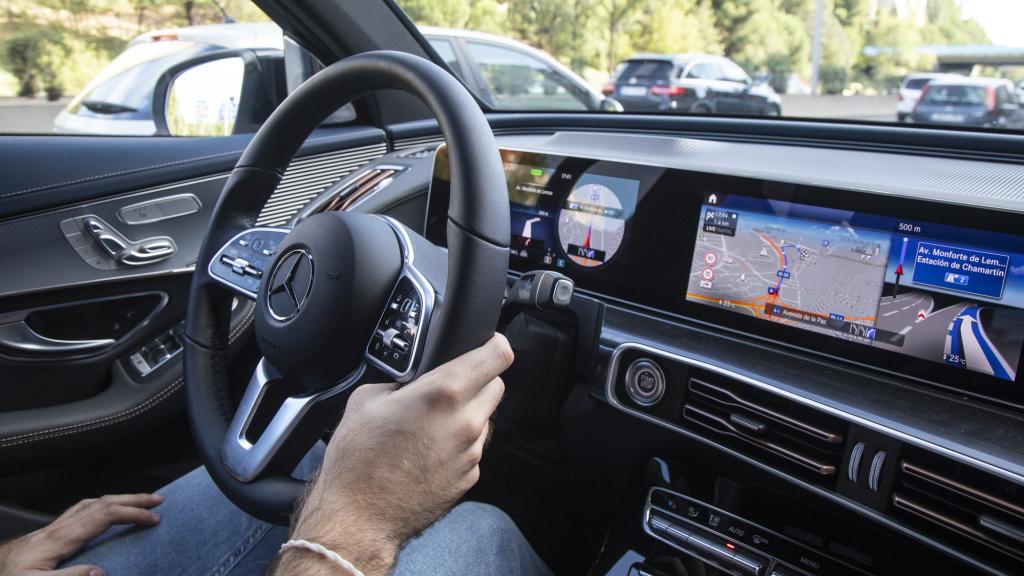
[
  {"x": 801, "y": 364},
  {"x": 681, "y": 521}
]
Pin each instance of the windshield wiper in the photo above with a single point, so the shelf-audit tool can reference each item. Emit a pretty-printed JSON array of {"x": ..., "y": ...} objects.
[{"x": 101, "y": 107}]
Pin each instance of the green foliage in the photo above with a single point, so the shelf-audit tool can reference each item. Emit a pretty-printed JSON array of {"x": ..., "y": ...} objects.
[
  {"x": 779, "y": 68},
  {"x": 754, "y": 30},
  {"x": 676, "y": 26},
  {"x": 833, "y": 79},
  {"x": 34, "y": 55},
  {"x": 852, "y": 14},
  {"x": 59, "y": 45},
  {"x": 56, "y": 60}
]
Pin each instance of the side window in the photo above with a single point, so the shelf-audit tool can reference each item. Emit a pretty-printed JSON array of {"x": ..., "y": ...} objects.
[
  {"x": 702, "y": 71},
  {"x": 732, "y": 73},
  {"x": 56, "y": 80},
  {"x": 518, "y": 80},
  {"x": 446, "y": 51},
  {"x": 1004, "y": 96}
]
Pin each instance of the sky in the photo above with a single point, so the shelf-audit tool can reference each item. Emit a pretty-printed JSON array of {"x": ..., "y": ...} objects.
[{"x": 1001, "y": 19}]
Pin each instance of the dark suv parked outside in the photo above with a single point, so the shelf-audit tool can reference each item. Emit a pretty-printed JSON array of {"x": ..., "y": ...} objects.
[{"x": 690, "y": 83}]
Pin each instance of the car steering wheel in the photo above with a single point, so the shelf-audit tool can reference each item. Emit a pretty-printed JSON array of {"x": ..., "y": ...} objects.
[{"x": 344, "y": 297}]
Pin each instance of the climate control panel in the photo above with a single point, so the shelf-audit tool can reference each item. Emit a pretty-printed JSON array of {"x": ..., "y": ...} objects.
[{"x": 730, "y": 542}]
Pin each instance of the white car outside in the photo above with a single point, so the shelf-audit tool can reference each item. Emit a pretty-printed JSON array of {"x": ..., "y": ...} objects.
[{"x": 119, "y": 100}]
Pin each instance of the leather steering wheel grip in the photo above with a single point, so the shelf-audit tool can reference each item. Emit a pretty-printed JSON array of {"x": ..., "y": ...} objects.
[{"x": 478, "y": 235}]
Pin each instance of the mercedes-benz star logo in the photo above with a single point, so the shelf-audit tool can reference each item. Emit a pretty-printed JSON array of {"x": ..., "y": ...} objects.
[{"x": 290, "y": 285}]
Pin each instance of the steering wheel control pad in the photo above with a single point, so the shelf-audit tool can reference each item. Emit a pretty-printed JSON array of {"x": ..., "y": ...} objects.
[
  {"x": 244, "y": 260},
  {"x": 322, "y": 296},
  {"x": 395, "y": 341}
]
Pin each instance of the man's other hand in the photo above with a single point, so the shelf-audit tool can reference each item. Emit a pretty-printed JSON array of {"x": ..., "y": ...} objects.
[
  {"x": 400, "y": 458},
  {"x": 40, "y": 552}
]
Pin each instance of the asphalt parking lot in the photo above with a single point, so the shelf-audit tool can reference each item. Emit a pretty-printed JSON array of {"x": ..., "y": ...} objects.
[
  {"x": 24, "y": 115},
  {"x": 34, "y": 116}
]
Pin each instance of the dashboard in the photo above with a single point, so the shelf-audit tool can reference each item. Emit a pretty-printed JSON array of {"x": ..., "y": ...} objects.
[
  {"x": 780, "y": 358},
  {"x": 933, "y": 291},
  {"x": 844, "y": 321}
]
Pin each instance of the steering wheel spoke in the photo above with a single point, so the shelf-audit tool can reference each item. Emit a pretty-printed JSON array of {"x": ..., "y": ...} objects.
[
  {"x": 242, "y": 262},
  {"x": 270, "y": 425},
  {"x": 395, "y": 347}
]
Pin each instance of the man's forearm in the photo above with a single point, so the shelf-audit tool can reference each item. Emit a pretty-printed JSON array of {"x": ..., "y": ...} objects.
[{"x": 336, "y": 527}]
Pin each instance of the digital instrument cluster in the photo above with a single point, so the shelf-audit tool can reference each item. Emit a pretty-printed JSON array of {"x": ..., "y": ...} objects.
[
  {"x": 562, "y": 216},
  {"x": 918, "y": 288}
]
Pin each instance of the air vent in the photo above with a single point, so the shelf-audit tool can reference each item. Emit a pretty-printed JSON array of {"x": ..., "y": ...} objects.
[
  {"x": 961, "y": 505},
  {"x": 307, "y": 177},
  {"x": 790, "y": 436},
  {"x": 361, "y": 186}
]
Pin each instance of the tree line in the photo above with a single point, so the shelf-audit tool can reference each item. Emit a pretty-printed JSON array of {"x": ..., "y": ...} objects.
[
  {"x": 56, "y": 46},
  {"x": 771, "y": 37}
]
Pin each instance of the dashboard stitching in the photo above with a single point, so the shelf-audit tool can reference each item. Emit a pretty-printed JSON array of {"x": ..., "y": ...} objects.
[
  {"x": 131, "y": 171},
  {"x": 121, "y": 416}
]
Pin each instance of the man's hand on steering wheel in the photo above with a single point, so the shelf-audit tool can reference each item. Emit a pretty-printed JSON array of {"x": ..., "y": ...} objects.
[{"x": 399, "y": 460}]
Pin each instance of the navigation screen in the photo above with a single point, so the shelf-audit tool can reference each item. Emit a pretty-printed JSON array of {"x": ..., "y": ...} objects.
[
  {"x": 941, "y": 293},
  {"x": 565, "y": 218}
]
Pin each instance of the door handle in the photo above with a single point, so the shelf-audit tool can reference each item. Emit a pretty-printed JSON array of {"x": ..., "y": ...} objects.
[
  {"x": 125, "y": 251},
  {"x": 20, "y": 337}
]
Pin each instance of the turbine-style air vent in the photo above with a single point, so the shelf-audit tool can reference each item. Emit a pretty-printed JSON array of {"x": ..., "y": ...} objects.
[
  {"x": 361, "y": 186},
  {"x": 787, "y": 435},
  {"x": 960, "y": 505}
]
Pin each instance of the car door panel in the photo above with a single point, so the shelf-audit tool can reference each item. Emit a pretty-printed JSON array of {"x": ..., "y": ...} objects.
[
  {"x": 74, "y": 323},
  {"x": 41, "y": 251},
  {"x": 42, "y": 172},
  {"x": 63, "y": 403}
]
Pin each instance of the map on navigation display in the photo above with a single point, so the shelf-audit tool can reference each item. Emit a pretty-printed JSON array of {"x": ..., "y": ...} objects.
[
  {"x": 820, "y": 276},
  {"x": 592, "y": 222}
]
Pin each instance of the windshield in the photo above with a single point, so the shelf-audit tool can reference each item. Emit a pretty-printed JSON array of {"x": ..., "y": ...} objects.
[{"x": 845, "y": 60}]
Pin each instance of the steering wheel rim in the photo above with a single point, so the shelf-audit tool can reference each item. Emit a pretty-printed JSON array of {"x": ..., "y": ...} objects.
[{"x": 468, "y": 299}]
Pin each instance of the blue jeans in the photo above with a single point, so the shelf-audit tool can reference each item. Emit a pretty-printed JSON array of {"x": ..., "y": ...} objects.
[{"x": 202, "y": 533}]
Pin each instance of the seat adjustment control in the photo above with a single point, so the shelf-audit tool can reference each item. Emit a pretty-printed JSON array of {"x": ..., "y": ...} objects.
[{"x": 104, "y": 248}]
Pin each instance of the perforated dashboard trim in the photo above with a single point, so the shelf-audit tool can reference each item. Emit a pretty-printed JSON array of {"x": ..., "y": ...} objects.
[{"x": 969, "y": 182}]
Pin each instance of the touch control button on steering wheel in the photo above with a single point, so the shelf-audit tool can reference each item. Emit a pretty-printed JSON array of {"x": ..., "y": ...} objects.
[
  {"x": 394, "y": 339},
  {"x": 645, "y": 382}
]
